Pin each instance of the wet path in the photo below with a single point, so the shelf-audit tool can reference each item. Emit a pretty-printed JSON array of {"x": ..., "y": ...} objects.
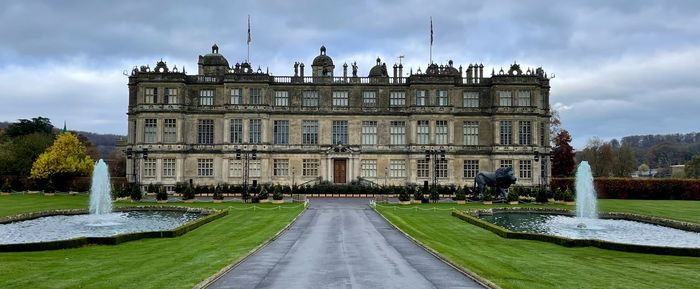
[{"x": 342, "y": 243}]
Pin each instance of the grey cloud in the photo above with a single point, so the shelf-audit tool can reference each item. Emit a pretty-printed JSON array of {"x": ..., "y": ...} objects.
[{"x": 574, "y": 39}]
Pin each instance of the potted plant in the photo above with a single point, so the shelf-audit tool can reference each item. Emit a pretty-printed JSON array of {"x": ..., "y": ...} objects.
[
  {"x": 135, "y": 192},
  {"x": 487, "y": 198},
  {"x": 188, "y": 194},
  {"x": 161, "y": 194},
  {"x": 6, "y": 188},
  {"x": 277, "y": 195},
  {"x": 542, "y": 196},
  {"x": 460, "y": 197},
  {"x": 418, "y": 196},
  {"x": 404, "y": 196},
  {"x": 435, "y": 195},
  {"x": 218, "y": 195},
  {"x": 513, "y": 197},
  {"x": 569, "y": 197},
  {"x": 264, "y": 196}
]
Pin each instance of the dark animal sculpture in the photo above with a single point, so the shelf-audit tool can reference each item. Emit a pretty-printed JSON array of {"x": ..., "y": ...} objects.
[{"x": 501, "y": 179}]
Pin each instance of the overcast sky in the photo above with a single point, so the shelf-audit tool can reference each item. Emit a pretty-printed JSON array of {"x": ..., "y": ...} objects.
[{"x": 622, "y": 67}]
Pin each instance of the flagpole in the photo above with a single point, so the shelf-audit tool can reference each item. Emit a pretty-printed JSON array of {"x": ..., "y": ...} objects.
[
  {"x": 431, "y": 40},
  {"x": 248, "y": 57}
]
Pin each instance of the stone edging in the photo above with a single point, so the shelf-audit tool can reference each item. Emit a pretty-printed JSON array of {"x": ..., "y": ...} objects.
[
  {"x": 470, "y": 274},
  {"x": 211, "y": 279},
  {"x": 472, "y": 218},
  {"x": 210, "y": 215}
]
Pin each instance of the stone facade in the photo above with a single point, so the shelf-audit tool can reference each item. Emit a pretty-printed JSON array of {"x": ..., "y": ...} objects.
[{"x": 336, "y": 128}]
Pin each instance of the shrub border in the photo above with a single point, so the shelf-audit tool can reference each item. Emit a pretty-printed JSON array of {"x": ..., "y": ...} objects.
[
  {"x": 208, "y": 216},
  {"x": 472, "y": 218}
]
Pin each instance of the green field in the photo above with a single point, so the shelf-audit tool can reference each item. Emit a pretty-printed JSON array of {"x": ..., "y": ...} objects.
[
  {"x": 514, "y": 263},
  {"x": 180, "y": 262}
]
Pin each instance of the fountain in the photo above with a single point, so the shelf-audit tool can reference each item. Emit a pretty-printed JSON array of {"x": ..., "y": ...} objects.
[
  {"x": 585, "y": 224},
  {"x": 100, "y": 190},
  {"x": 586, "y": 198},
  {"x": 100, "y": 222}
]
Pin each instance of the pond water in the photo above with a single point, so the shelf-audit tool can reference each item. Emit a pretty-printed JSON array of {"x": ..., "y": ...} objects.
[
  {"x": 618, "y": 231},
  {"x": 62, "y": 227}
]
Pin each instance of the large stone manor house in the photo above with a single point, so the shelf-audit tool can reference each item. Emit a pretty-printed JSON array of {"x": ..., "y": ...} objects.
[{"x": 442, "y": 124}]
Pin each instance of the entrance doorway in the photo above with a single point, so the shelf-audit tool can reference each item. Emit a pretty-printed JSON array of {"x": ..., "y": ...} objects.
[{"x": 339, "y": 171}]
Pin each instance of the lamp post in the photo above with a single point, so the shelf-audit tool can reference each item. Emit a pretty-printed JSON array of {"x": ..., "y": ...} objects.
[
  {"x": 134, "y": 154},
  {"x": 293, "y": 179},
  {"x": 247, "y": 156},
  {"x": 437, "y": 156},
  {"x": 543, "y": 165}
]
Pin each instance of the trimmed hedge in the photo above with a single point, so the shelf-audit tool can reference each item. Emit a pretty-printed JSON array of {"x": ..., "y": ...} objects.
[
  {"x": 645, "y": 189},
  {"x": 471, "y": 217},
  {"x": 111, "y": 240}
]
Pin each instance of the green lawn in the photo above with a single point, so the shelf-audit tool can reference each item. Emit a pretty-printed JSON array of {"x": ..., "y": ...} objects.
[
  {"x": 514, "y": 263},
  {"x": 180, "y": 262}
]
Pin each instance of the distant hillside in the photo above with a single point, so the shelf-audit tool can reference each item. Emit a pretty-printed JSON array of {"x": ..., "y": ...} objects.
[
  {"x": 664, "y": 150},
  {"x": 104, "y": 143}
]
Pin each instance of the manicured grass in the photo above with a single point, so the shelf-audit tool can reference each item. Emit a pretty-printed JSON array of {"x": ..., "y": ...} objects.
[
  {"x": 180, "y": 262},
  {"x": 514, "y": 263}
]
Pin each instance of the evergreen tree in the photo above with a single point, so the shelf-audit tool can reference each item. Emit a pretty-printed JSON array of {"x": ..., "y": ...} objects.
[
  {"x": 563, "y": 155},
  {"x": 692, "y": 168}
]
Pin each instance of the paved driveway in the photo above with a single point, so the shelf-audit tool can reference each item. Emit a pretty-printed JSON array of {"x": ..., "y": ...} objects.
[{"x": 342, "y": 243}]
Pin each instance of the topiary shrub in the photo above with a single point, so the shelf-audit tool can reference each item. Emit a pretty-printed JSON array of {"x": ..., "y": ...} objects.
[
  {"x": 188, "y": 193},
  {"x": 418, "y": 194},
  {"x": 135, "y": 192},
  {"x": 404, "y": 196},
  {"x": 568, "y": 195},
  {"x": 218, "y": 193},
  {"x": 161, "y": 193},
  {"x": 460, "y": 195},
  {"x": 277, "y": 192},
  {"x": 263, "y": 195},
  {"x": 434, "y": 195},
  {"x": 542, "y": 195},
  {"x": 488, "y": 194},
  {"x": 6, "y": 186},
  {"x": 513, "y": 195}
]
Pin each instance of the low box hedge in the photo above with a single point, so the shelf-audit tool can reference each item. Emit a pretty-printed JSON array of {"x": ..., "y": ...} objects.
[
  {"x": 472, "y": 218},
  {"x": 209, "y": 215}
]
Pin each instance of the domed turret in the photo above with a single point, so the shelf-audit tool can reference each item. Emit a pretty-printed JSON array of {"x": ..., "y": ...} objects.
[
  {"x": 213, "y": 63},
  {"x": 379, "y": 70},
  {"x": 322, "y": 64}
]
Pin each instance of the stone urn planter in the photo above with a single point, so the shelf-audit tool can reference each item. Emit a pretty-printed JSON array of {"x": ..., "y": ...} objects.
[
  {"x": 278, "y": 201},
  {"x": 405, "y": 202},
  {"x": 461, "y": 202}
]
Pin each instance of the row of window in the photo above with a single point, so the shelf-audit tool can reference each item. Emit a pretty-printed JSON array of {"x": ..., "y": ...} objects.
[
  {"x": 310, "y": 129},
  {"x": 310, "y": 168},
  {"x": 368, "y": 168},
  {"x": 340, "y": 98}
]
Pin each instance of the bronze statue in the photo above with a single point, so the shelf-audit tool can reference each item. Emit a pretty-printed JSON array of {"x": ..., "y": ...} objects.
[{"x": 501, "y": 179}]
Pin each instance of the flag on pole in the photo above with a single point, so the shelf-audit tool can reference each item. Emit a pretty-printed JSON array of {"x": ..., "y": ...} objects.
[
  {"x": 249, "y": 39},
  {"x": 431, "y": 30}
]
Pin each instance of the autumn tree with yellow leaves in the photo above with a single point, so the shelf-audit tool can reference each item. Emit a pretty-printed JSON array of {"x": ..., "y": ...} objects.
[{"x": 66, "y": 157}]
